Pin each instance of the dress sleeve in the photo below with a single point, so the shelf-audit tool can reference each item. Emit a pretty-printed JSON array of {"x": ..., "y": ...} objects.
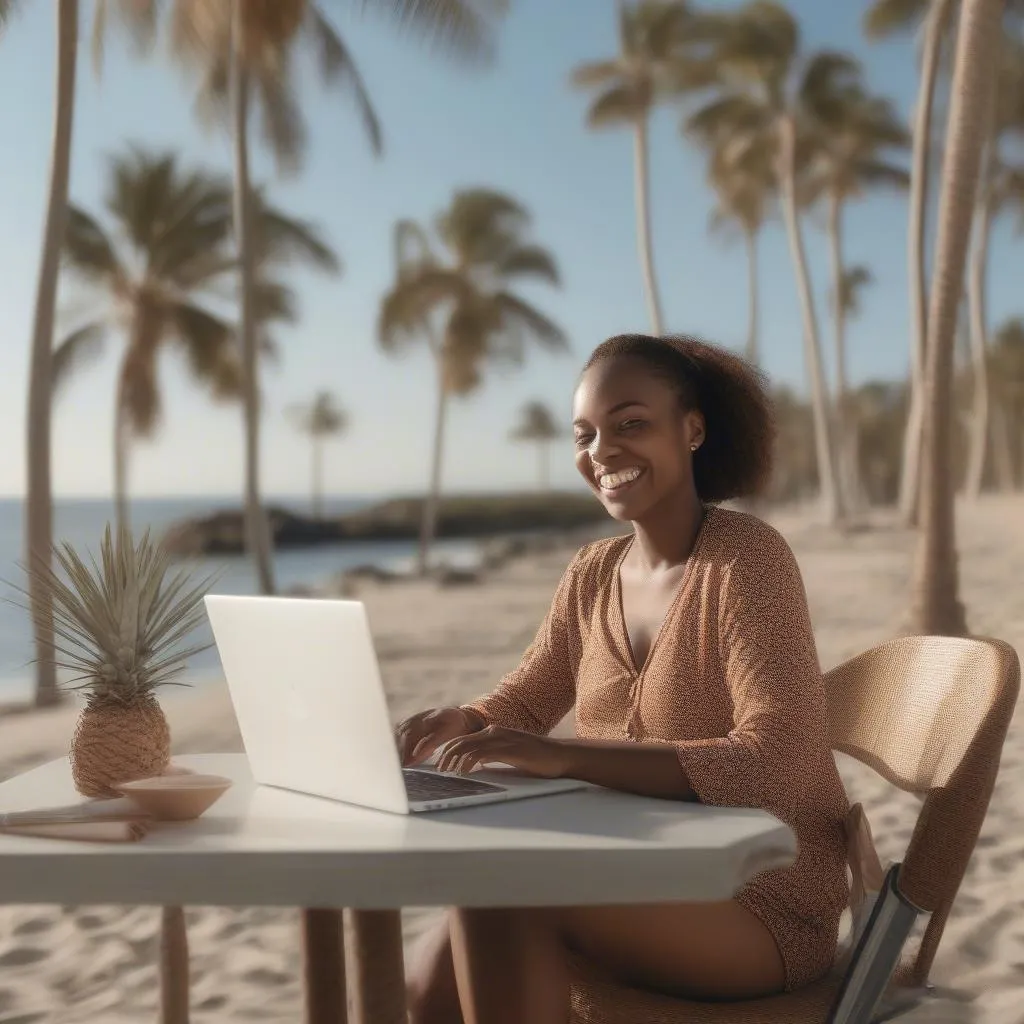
[
  {"x": 537, "y": 695},
  {"x": 770, "y": 664}
]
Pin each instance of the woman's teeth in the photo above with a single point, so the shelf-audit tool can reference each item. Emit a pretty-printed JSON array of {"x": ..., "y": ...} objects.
[{"x": 613, "y": 481}]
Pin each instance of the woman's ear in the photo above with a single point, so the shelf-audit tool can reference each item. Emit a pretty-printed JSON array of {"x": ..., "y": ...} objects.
[{"x": 695, "y": 428}]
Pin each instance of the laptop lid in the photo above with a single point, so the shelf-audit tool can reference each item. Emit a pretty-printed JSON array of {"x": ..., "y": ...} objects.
[{"x": 305, "y": 683}]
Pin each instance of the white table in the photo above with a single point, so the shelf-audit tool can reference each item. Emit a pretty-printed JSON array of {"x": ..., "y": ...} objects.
[{"x": 265, "y": 847}]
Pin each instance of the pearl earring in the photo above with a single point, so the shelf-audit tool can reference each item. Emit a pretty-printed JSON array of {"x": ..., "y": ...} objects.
[{"x": 693, "y": 447}]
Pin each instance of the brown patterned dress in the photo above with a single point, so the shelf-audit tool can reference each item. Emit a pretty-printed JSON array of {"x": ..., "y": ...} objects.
[{"x": 733, "y": 681}]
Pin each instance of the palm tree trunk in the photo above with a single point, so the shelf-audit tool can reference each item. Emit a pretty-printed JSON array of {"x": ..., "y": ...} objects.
[
  {"x": 257, "y": 531},
  {"x": 824, "y": 450},
  {"x": 1002, "y": 451},
  {"x": 936, "y": 25},
  {"x": 753, "y": 353},
  {"x": 543, "y": 464},
  {"x": 122, "y": 441},
  {"x": 318, "y": 477},
  {"x": 847, "y": 469},
  {"x": 39, "y": 494},
  {"x": 976, "y": 288},
  {"x": 642, "y": 171},
  {"x": 429, "y": 525},
  {"x": 935, "y": 606}
]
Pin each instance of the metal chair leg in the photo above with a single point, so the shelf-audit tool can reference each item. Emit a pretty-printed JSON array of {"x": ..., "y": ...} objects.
[
  {"x": 378, "y": 967},
  {"x": 174, "y": 974},
  {"x": 323, "y": 944}
]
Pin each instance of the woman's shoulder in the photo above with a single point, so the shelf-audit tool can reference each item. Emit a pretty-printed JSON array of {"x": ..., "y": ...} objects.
[
  {"x": 744, "y": 541},
  {"x": 596, "y": 562}
]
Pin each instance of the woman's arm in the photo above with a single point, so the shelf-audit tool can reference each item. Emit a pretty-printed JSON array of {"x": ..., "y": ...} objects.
[
  {"x": 541, "y": 690},
  {"x": 646, "y": 769}
]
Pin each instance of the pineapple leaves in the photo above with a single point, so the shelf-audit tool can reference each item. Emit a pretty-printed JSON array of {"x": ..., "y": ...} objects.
[{"x": 119, "y": 621}]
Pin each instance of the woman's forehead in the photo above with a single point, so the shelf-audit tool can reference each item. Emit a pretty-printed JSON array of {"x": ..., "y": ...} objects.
[{"x": 611, "y": 382}]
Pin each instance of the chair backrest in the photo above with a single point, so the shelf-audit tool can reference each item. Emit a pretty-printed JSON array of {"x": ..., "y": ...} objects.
[{"x": 930, "y": 715}]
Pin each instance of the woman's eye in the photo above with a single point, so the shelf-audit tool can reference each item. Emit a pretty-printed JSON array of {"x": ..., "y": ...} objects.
[
  {"x": 583, "y": 440},
  {"x": 631, "y": 424}
]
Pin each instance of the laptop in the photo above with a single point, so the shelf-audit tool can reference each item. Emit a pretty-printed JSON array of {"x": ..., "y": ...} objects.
[{"x": 306, "y": 687}]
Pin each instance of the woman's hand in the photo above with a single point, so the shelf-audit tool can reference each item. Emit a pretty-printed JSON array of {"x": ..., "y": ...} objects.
[
  {"x": 534, "y": 755},
  {"x": 421, "y": 734}
]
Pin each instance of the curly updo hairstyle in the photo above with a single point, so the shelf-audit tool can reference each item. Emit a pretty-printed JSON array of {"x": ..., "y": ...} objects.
[{"x": 735, "y": 459}]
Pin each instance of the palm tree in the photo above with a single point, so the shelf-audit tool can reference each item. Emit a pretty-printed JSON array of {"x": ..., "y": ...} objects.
[
  {"x": 883, "y": 19},
  {"x": 245, "y": 51},
  {"x": 453, "y": 291},
  {"x": 846, "y": 304},
  {"x": 156, "y": 272},
  {"x": 39, "y": 490},
  {"x": 537, "y": 425},
  {"x": 1001, "y": 188},
  {"x": 152, "y": 269},
  {"x": 935, "y": 605},
  {"x": 849, "y": 136},
  {"x": 652, "y": 65},
  {"x": 743, "y": 184},
  {"x": 318, "y": 420},
  {"x": 767, "y": 94}
]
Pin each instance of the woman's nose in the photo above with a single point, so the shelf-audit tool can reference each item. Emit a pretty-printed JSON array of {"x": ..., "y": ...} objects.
[{"x": 604, "y": 447}]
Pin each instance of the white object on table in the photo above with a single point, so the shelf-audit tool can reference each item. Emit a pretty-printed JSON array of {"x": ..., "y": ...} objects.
[{"x": 267, "y": 847}]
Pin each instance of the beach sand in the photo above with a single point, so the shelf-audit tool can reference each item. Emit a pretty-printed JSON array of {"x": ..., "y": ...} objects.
[{"x": 442, "y": 646}]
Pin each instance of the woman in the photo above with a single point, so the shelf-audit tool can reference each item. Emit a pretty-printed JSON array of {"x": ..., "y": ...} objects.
[{"x": 686, "y": 648}]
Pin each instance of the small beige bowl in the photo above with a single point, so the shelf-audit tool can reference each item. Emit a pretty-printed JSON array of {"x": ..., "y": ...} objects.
[{"x": 180, "y": 797}]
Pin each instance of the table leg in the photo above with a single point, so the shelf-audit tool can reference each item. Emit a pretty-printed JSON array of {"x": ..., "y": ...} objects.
[
  {"x": 174, "y": 980},
  {"x": 323, "y": 943},
  {"x": 379, "y": 968}
]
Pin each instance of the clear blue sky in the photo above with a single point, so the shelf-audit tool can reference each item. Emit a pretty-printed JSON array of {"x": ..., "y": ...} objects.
[{"x": 517, "y": 127}]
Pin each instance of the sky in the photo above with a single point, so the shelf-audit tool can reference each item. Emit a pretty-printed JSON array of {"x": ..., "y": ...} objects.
[{"x": 517, "y": 127}]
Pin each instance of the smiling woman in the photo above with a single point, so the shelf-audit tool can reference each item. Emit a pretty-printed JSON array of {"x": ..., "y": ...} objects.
[{"x": 687, "y": 651}]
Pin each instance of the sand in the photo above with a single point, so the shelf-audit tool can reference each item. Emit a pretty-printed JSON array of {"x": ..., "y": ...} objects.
[{"x": 97, "y": 964}]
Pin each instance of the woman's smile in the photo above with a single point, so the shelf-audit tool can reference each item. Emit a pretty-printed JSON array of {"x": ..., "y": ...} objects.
[{"x": 614, "y": 484}]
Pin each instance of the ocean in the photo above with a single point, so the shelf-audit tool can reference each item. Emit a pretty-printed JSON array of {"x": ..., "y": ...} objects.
[{"x": 81, "y": 522}]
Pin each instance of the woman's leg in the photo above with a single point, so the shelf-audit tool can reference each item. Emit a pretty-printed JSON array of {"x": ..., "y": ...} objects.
[
  {"x": 431, "y": 992},
  {"x": 509, "y": 965}
]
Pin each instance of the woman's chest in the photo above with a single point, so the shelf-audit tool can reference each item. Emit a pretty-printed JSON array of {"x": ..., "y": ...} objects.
[{"x": 652, "y": 668}]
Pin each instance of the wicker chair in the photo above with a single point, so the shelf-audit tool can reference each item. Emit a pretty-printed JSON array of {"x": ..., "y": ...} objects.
[{"x": 930, "y": 715}]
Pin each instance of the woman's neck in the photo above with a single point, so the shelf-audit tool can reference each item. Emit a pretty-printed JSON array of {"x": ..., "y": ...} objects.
[{"x": 666, "y": 536}]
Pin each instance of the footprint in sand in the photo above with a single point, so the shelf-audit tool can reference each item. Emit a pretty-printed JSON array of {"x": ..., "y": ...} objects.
[
  {"x": 33, "y": 926},
  {"x": 23, "y": 956}
]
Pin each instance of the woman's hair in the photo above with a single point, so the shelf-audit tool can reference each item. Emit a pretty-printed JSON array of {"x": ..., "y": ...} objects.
[{"x": 735, "y": 459}]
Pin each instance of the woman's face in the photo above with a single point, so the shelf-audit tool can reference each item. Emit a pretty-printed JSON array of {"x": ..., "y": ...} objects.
[{"x": 632, "y": 437}]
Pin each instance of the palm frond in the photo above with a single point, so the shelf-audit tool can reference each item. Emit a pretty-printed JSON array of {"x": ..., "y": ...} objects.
[
  {"x": 597, "y": 72},
  {"x": 536, "y": 423},
  {"x": 209, "y": 347},
  {"x": 8, "y": 9},
  {"x": 519, "y": 316},
  {"x": 76, "y": 350},
  {"x": 88, "y": 249},
  {"x": 623, "y": 104},
  {"x": 529, "y": 261},
  {"x": 726, "y": 117},
  {"x": 887, "y": 17},
  {"x": 281, "y": 239},
  {"x": 138, "y": 18},
  {"x": 321, "y": 417},
  {"x": 463, "y": 29},
  {"x": 338, "y": 66},
  {"x": 281, "y": 122},
  {"x": 410, "y": 303}
]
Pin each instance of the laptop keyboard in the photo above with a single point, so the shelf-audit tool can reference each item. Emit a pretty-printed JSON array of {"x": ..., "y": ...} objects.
[{"x": 422, "y": 785}]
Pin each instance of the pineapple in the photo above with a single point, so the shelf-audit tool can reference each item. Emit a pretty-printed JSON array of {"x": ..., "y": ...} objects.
[{"x": 118, "y": 626}]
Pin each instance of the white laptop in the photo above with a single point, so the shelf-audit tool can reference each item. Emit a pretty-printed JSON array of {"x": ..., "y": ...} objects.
[{"x": 306, "y": 687}]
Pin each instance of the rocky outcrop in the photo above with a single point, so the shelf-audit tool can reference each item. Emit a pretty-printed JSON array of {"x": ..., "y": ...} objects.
[{"x": 223, "y": 532}]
